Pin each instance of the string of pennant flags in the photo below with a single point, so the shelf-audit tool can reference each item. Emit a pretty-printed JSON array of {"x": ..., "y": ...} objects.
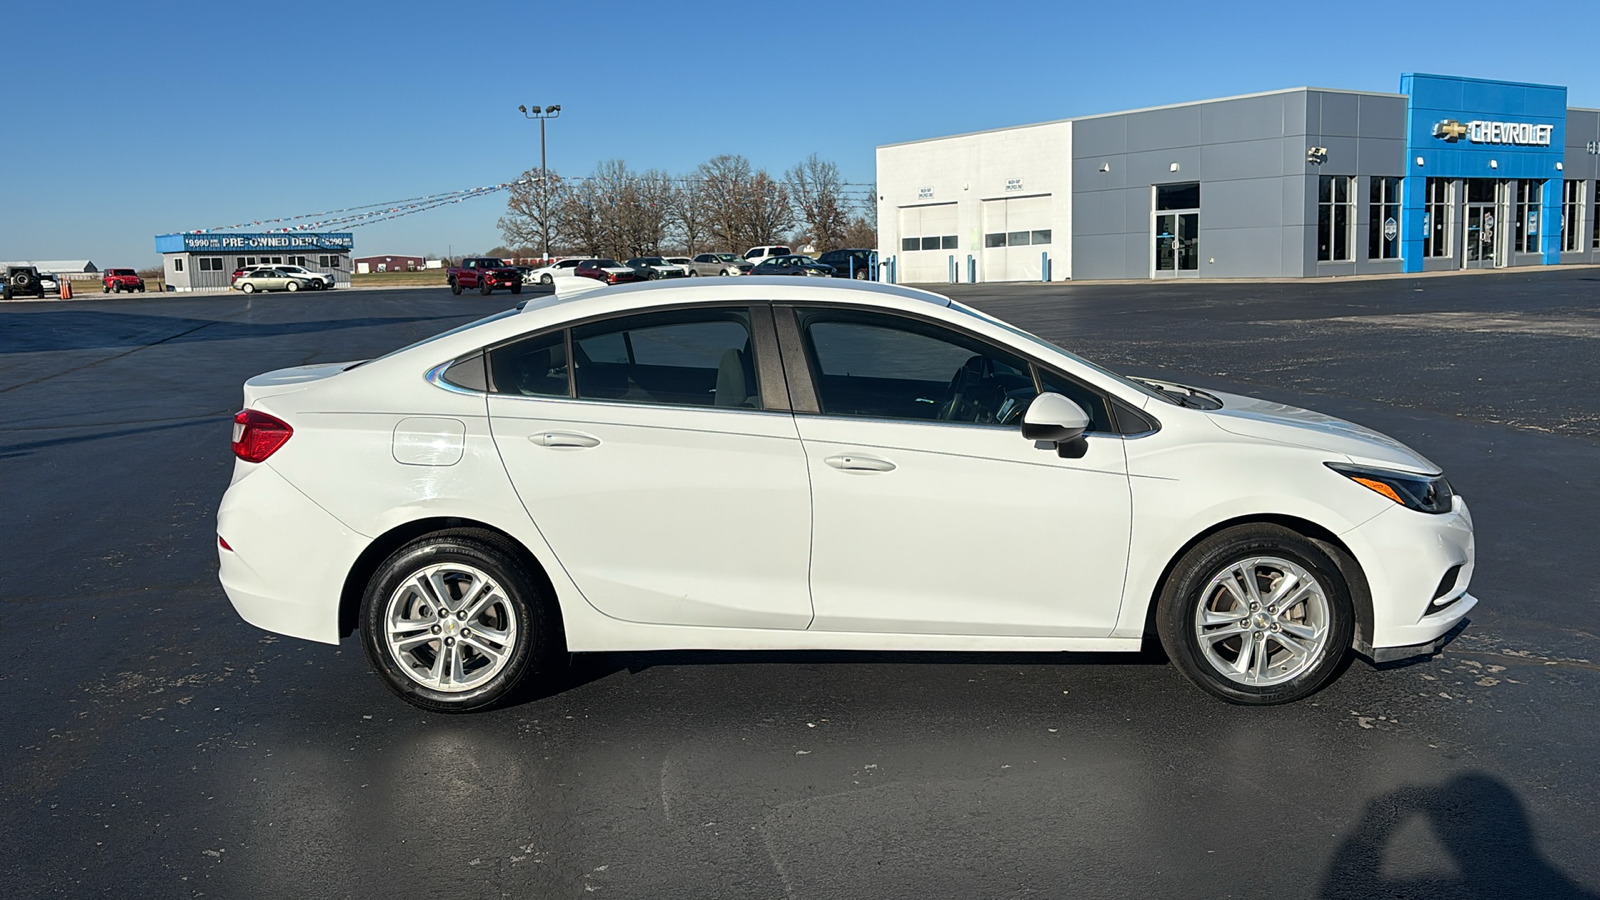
[{"x": 373, "y": 213}]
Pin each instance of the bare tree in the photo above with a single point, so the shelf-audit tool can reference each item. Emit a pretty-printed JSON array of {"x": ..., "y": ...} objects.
[
  {"x": 689, "y": 214},
  {"x": 818, "y": 195},
  {"x": 724, "y": 181},
  {"x": 534, "y": 211},
  {"x": 653, "y": 212}
]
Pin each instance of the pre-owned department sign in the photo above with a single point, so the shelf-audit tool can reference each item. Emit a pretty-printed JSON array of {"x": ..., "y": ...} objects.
[
  {"x": 225, "y": 243},
  {"x": 1480, "y": 131}
]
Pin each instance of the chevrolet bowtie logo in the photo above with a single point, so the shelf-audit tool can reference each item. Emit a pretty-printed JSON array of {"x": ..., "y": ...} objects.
[{"x": 1450, "y": 130}]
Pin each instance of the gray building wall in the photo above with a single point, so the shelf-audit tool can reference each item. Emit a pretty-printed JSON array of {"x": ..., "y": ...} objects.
[
  {"x": 1258, "y": 192},
  {"x": 1580, "y": 164}
]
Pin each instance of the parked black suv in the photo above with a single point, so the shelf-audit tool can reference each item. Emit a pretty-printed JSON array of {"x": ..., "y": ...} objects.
[
  {"x": 855, "y": 263},
  {"x": 22, "y": 280}
]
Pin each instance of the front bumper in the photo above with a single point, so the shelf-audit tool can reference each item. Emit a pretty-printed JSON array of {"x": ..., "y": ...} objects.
[
  {"x": 1418, "y": 568},
  {"x": 289, "y": 558}
]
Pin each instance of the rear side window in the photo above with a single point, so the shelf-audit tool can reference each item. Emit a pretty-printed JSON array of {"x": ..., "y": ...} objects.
[
  {"x": 532, "y": 367},
  {"x": 683, "y": 358}
]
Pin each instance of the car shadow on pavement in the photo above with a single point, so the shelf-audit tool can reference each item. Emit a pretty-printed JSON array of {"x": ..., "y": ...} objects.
[
  {"x": 222, "y": 422},
  {"x": 1484, "y": 831},
  {"x": 93, "y": 330}
]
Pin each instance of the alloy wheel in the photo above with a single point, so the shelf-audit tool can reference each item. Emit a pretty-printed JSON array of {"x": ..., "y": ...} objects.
[
  {"x": 1263, "y": 621},
  {"x": 450, "y": 627}
]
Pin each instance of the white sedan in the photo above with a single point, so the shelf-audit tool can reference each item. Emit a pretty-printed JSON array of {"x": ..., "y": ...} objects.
[
  {"x": 546, "y": 275},
  {"x": 779, "y": 463}
]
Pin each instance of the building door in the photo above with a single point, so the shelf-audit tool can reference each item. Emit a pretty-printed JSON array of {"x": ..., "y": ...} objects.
[
  {"x": 1484, "y": 240},
  {"x": 1175, "y": 226},
  {"x": 1017, "y": 234}
]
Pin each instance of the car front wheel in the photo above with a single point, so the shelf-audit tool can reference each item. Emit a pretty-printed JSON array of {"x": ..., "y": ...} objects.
[
  {"x": 1256, "y": 614},
  {"x": 546, "y": 280},
  {"x": 293, "y": 286},
  {"x": 455, "y": 287},
  {"x": 454, "y": 622}
]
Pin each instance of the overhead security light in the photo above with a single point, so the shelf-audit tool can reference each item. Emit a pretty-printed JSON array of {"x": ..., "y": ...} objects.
[{"x": 1317, "y": 155}]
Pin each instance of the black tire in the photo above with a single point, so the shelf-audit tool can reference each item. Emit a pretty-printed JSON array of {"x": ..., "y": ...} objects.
[
  {"x": 861, "y": 275},
  {"x": 293, "y": 286},
  {"x": 248, "y": 288},
  {"x": 537, "y": 630},
  {"x": 5, "y": 292},
  {"x": 104, "y": 289},
  {"x": 455, "y": 287},
  {"x": 139, "y": 289},
  {"x": 723, "y": 272},
  {"x": 1186, "y": 589},
  {"x": 546, "y": 280},
  {"x": 693, "y": 274},
  {"x": 516, "y": 289},
  {"x": 116, "y": 288},
  {"x": 484, "y": 288}
]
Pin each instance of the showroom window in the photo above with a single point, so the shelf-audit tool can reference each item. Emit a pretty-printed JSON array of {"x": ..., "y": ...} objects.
[
  {"x": 210, "y": 264},
  {"x": 1333, "y": 218},
  {"x": 699, "y": 357},
  {"x": 1525, "y": 238},
  {"x": 1572, "y": 233},
  {"x": 887, "y": 367},
  {"x": 239, "y": 263},
  {"x": 1383, "y": 218}
]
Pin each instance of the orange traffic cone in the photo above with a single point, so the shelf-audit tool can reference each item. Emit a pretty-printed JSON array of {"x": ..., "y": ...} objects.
[{"x": 66, "y": 288}]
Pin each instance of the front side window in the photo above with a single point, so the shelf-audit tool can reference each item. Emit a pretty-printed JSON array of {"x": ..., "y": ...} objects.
[
  {"x": 1383, "y": 218},
  {"x": 880, "y": 366},
  {"x": 1333, "y": 218},
  {"x": 698, "y": 357}
]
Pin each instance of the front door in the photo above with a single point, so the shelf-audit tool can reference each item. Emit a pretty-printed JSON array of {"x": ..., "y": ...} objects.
[
  {"x": 669, "y": 495},
  {"x": 1483, "y": 235},
  {"x": 931, "y": 513},
  {"x": 1177, "y": 243}
]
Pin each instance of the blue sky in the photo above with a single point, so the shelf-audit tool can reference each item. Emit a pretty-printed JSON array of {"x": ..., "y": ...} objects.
[{"x": 193, "y": 115}]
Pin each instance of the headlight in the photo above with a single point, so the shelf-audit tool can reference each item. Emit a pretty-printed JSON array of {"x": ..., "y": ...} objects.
[{"x": 1423, "y": 493}]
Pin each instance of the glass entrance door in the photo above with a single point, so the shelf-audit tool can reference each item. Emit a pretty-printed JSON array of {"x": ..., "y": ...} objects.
[
  {"x": 1484, "y": 232},
  {"x": 1175, "y": 224}
]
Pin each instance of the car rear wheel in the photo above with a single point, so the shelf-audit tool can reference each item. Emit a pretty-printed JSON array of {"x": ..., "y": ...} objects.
[
  {"x": 1256, "y": 615},
  {"x": 454, "y": 622},
  {"x": 861, "y": 275},
  {"x": 248, "y": 288}
]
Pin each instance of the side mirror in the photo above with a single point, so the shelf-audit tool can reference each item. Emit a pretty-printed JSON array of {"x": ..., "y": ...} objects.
[{"x": 1054, "y": 419}]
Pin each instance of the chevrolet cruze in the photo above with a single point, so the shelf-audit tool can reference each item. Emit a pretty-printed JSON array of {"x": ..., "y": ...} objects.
[{"x": 778, "y": 464}]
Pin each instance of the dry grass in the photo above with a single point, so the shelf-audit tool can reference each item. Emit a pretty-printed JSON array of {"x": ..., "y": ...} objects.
[{"x": 399, "y": 279}]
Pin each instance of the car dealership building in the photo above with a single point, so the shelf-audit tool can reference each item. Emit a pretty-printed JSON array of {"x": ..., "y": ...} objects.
[
  {"x": 207, "y": 260},
  {"x": 1449, "y": 173}
]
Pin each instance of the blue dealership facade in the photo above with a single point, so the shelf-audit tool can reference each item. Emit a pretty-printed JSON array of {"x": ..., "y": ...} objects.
[
  {"x": 1447, "y": 173},
  {"x": 203, "y": 260}
]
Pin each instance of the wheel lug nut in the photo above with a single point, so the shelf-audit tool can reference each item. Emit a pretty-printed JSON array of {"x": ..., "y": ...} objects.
[
  {"x": 1254, "y": 607},
  {"x": 466, "y": 632},
  {"x": 450, "y": 642},
  {"x": 1276, "y": 627},
  {"x": 462, "y": 614},
  {"x": 1244, "y": 623},
  {"x": 423, "y": 611},
  {"x": 1272, "y": 609},
  {"x": 435, "y": 629}
]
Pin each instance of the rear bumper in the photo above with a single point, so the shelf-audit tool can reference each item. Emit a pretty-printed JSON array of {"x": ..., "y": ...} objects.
[{"x": 289, "y": 558}]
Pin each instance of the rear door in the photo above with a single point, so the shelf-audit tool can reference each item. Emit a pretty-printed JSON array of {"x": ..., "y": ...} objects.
[{"x": 662, "y": 465}]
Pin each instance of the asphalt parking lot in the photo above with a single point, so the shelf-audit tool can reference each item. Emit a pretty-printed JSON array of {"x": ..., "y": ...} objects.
[{"x": 152, "y": 743}]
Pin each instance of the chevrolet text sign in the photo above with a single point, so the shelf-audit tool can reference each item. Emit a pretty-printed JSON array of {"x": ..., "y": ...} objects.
[{"x": 1479, "y": 131}]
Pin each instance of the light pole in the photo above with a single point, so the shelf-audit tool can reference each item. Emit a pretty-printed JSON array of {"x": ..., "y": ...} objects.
[{"x": 543, "y": 113}]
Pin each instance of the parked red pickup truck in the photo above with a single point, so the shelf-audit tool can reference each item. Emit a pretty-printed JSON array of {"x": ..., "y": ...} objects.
[
  {"x": 484, "y": 273},
  {"x": 115, "y": 281}
]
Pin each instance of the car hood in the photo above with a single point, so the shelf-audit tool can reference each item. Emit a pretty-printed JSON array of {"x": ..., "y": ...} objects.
[{"x": 1250, "y": 417}]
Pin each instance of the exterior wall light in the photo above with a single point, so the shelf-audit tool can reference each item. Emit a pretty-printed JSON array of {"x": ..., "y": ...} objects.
[
  {"x": 1172, "y": 168},
  {"x": 1494, "y": 163},
  {"x": 1105, "y": 167},
  {"x": 1317, "y": 155},
  {"x": 1419, "y": 162},
  {"x": 1560, "y": 166}
]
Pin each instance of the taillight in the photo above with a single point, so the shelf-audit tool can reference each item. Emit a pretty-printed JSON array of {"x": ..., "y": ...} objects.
[{"x": 257, "y": 435}]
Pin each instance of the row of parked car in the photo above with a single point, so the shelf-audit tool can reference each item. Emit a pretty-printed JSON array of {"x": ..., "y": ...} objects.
[
  {"x": 279, "y": 277},
  {"x": 771, "y": 260},
  {"x": 28, "y": 281}
]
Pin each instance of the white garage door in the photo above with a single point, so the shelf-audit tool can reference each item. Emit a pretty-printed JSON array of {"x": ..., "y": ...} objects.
[
  {"x": 927, "y": 241},
  {"x": 1016, "y": 231}
]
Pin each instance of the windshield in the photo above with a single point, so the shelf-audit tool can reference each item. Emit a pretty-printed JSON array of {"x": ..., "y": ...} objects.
[
  {"x": 1041, "y": 342},
  {"x": 728, "y": 257},
  {"x": 608, "y": 264}
]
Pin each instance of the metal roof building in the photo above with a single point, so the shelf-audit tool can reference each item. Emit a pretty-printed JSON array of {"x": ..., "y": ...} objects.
[{"x": 56, "y": 266}]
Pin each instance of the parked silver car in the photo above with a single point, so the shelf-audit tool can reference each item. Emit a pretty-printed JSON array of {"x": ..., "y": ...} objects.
[
  {"x": 274, "y": 280},
  {"x": 719, "y": 264}
]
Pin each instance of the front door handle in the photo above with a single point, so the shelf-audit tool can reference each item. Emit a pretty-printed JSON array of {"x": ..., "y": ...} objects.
[
  {"x": 569, "y": 440},
  {"x": 855, "y": 462}
]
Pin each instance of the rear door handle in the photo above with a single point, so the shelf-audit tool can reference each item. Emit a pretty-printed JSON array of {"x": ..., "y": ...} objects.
[
  {"x": 855, "y": 462},
  {"x": 570, "y": 440}
]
